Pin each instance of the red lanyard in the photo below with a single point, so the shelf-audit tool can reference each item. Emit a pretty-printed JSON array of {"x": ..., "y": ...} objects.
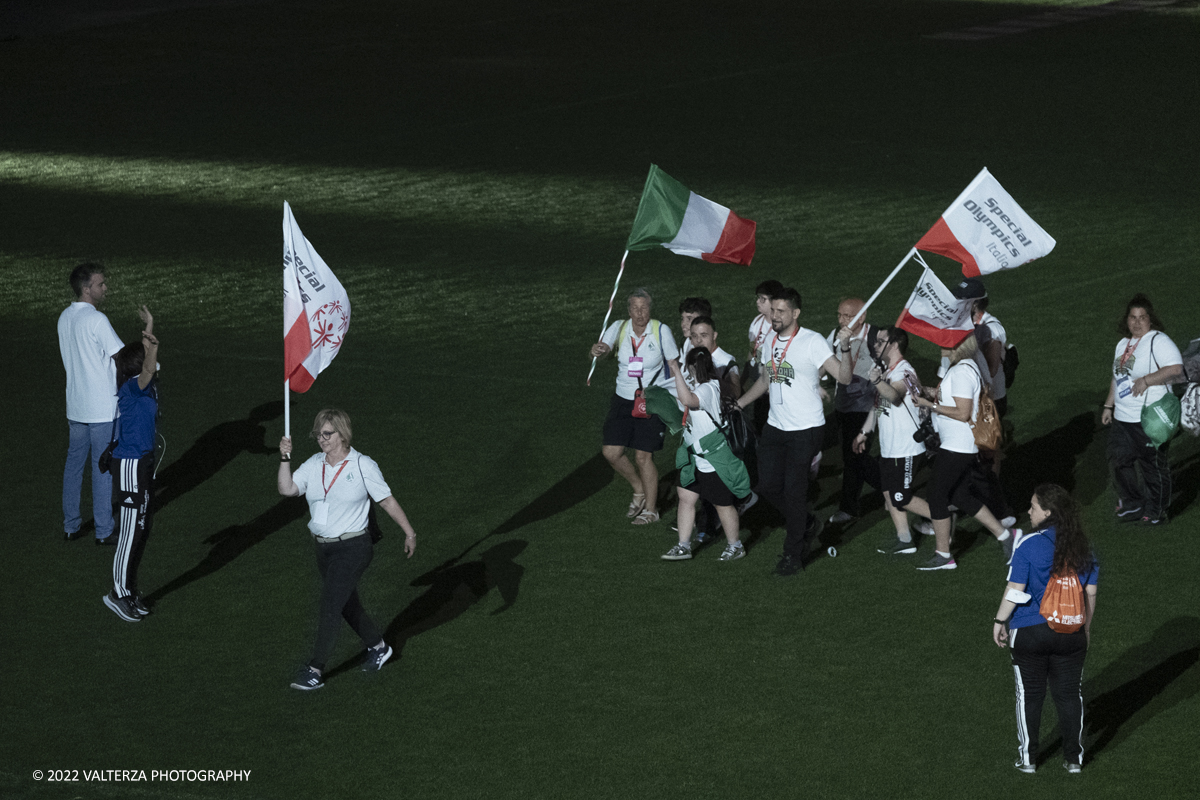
[
  {"x": 774, "y": 366},
  {"x": 1129, "y": 348},
  {"x": 758, "y": 337},
  {"x": 335, "y": 476},
  {"x": 638, "y": 343}
]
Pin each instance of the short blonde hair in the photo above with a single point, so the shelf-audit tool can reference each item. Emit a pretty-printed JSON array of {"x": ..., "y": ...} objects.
[
  {"x": 966, "y": 349},
  {"x": 337, "y": 418}
]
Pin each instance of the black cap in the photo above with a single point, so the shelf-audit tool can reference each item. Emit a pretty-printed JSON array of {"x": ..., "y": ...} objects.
[{"x": 970, "y": 289}]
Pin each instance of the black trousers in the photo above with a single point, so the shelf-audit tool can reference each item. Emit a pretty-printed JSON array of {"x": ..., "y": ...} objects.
[
  {"x": 1129, "y": 448},
  {"x": 341, "y": 565},
  {"x": 857, "y": 468},
  {"x": 784, "y": 458},
  {"x": 1043, "y": 658},
  {"x": 132, "y": 498}
]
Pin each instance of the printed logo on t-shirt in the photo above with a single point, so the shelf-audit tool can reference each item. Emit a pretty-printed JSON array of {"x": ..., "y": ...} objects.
[
  {"x": 784, "y": 374},
  {"x": 1127, "y": 367}
]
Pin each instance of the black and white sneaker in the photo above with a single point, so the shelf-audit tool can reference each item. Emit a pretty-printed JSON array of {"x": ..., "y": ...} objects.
[
  {"x": 376, "y": 658},
  {"x": 139, "y": 605},
  {"x": 122, "y": 607},
  {"x": 1128, "y": 513},
  {"x": 307, "y": 679}
]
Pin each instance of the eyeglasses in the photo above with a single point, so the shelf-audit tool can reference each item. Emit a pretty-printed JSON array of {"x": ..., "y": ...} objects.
[{"x": 323, "y": 435}]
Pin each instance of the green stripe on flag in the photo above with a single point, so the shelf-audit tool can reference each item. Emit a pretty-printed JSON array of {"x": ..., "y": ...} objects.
[{"x": 660, "y": 212}]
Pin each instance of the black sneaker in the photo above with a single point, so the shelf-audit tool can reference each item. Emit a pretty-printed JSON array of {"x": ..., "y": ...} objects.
[
  {"x": 788, "y": 566},
  {"x": 1128, "y": 513},
  {"x": 308, "y": 679},
  {"x": 122, "y": 607},
  {"x": 139, "y": 605},
  {"x": 1150, "y": 522},
  {"x": 376, "y": 658},
  {"x": 109, "y": 541}
]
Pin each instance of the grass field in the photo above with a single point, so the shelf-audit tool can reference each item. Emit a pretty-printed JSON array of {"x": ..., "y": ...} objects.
[{"x": 470, "y": 171}]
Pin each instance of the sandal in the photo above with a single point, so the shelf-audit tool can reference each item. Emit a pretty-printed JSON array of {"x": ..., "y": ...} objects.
[
  {"x": 646, "y": 517},
  {"x": 636, "y": 505}
]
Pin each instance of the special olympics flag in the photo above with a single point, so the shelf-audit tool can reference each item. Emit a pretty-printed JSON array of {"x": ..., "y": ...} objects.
[
  {"x": 986, "y": 231},
  {"x": 316, "y": 310},
  {"x": 671, "y": 216},
  {"x": 934, "y": 313}
]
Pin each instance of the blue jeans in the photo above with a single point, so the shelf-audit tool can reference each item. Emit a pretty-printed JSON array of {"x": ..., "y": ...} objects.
[{"x": 86, "y": 437}]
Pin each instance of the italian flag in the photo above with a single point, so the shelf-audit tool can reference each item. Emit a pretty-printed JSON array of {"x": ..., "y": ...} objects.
[{"x": 671, "y": 216}]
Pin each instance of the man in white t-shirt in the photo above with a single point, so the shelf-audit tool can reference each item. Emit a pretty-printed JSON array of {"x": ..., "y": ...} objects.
[
  {"x": 87, "y": 343},
  {"x": 690, "y": 308},
  {"x": 993, "y": 348},
  {"x": 791, "y": 362},
  {"x": 703, "y": 333}
]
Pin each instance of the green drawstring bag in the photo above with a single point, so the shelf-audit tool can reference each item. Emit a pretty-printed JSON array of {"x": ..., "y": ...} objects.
[{"x": 1160, "y": 419}]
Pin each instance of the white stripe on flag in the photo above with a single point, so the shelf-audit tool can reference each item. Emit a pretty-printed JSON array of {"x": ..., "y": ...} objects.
[{"x": 700, "y": 231}]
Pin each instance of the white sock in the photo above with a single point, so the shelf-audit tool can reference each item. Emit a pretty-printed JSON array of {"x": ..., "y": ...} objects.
[
  {"x": 943, "y": 555},
  {"x": 1003, "y": 538}
]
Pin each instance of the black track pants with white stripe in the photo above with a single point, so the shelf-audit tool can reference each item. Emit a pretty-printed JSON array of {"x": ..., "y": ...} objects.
[
  {"x": 1043, "y": 658},
  {"x": 132, "y": 496}
]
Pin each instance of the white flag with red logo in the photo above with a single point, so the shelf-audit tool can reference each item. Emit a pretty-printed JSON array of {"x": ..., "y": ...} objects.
[
  {"x": 934, "y": 313},
  {"x": 316, "y": 310},
  {"x": 986, "y": 231}
]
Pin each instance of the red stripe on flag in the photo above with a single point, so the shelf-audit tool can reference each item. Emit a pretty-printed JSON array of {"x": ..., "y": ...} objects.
[
  {"x": 301, "y": 380},
  {"x": 940, "y": 240},
  {"x": 297, "y": 344},
  {"x": 736, "y": 245},
  {"x": 939, "y": 336}
]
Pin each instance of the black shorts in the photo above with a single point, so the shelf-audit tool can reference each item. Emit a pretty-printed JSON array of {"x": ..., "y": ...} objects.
[
  {"x": 897, "y": 476},
  {"x": 622, "y": 429},
  {"x": 951, "y": 484},
  {"x": 710, "y": 487}
]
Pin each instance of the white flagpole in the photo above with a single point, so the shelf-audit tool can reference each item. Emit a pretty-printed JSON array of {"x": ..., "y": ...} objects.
[
  {"x": 882, "y": 286},
  {"x": 287, "y": 410},
  {"x": 604, "y": 326}
]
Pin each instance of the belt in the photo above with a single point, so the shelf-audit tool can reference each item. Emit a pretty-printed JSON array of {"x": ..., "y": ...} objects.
[{"x": 342, "y": 538}]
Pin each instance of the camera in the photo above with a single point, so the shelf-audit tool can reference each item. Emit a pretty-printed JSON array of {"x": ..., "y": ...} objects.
[{"x": 926, "y": 433}]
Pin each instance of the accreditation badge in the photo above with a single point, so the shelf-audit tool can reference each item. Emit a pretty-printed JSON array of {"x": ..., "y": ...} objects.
[{"x": 320, "y": 512}]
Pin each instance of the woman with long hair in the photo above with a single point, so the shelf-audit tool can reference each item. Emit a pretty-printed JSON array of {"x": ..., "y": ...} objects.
[
  {"x": 1057, "y": 549},
  {"x": 1144, "y": 364},
  {"x": 956, "y": 407},
  {"x": 707, "y": 469}
]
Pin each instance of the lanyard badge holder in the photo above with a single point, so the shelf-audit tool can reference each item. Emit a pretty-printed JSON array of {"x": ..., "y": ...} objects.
[{"x": 635, "y": 370}]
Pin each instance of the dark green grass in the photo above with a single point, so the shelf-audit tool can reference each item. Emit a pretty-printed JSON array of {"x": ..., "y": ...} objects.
[{"x": 470, "y": 171}]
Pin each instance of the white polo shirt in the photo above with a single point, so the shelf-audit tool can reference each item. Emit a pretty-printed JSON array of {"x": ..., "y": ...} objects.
[
  {"x": 352, "y": 484},
  {"x": 999, "y": 390},
  {"x": 648, "y": 349},
  {"x": 88, "y": 342}
]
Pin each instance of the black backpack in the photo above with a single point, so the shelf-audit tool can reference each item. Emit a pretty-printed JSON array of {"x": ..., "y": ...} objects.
[{"x": 738, "y": 433}]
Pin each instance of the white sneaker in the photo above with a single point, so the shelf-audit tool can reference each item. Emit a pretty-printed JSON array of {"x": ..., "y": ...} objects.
[
  {"x": 923, "y": 527},
  {"x": 733, "y": 552},
  {"x": 841, "y": 518}
]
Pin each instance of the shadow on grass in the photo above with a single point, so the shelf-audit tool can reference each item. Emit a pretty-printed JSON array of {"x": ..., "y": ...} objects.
[
  {"x": 1053, "y": 456},
  {"x": 1146, "y": 680},
  {"x": 455, "y": 585},
  {"x": 214, "y": 449},
  {"x": 231, "y": 542}
]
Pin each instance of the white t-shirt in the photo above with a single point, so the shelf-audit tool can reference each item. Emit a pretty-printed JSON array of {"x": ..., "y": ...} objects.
[
  {"x": 700, "y": 421},
  {"x": 760, "y": 331},
  {"x": 793, "y": 371},
  {"x": 962, "y": 380},
  {"x": 88, "y": 342},
  {"x": 999, "y": 390},
  {"x": 648, "y": 349},
  {"x": 1139, "y": 364},
  {"x": 898, "y": 423},
  {"x": 720, "y": 359},
  {"x": 350, "y": 492}
]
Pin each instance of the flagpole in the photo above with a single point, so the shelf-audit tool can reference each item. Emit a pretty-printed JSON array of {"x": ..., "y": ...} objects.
[
  {"x": 882, "y": 286},
  {"x": 287, "y": 410},
  {"x": 604, "y": 326}
]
